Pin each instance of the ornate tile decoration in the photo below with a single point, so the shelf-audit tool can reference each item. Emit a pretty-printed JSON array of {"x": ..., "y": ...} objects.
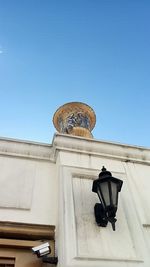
[{"x": 75, "y": 118}]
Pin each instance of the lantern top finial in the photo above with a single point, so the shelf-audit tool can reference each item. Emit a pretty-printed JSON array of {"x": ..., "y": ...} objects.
[{"x": 104, "y": 173}]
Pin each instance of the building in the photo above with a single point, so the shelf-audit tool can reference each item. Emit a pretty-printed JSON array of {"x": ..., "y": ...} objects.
[{"x": 46, "y": 195}]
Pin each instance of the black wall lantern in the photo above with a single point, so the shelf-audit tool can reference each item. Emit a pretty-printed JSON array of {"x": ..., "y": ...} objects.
[{"x": 107, "y": 187}]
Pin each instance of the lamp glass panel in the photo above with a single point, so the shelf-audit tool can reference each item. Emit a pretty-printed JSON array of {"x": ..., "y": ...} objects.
[
  {"x": 99, "y": 194},
  {"x": 105, "y": 193},
  {"x": 114, "y": 191}
]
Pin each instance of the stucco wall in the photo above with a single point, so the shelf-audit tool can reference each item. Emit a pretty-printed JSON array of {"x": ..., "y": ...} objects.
[
  {"x": 52, "y": 184},
  {"x": 80, "y": 241},
  {"x": 28, "y": 183}
]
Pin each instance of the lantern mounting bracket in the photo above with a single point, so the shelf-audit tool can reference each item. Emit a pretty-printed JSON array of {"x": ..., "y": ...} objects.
[{"x": 100, "y": 216}]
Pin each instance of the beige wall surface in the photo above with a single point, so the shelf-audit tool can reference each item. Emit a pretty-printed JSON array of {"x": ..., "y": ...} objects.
[{"x": 28, "y": 183}]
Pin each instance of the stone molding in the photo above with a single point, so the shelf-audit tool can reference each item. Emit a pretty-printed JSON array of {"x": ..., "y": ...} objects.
[
  {"x": 26, "y": 231},
  {"x": 64, "y": 142},
  {"x": 25, "y": 149},
  {"x": 127, "y": 153}
]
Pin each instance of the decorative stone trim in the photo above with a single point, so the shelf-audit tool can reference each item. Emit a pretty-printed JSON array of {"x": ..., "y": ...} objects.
[
  {"x": 65, "y": 142},
  {"x": 127, "y": 153},
  {"x": 27, "y": 231},
  {"x": 25, "y": 149}
]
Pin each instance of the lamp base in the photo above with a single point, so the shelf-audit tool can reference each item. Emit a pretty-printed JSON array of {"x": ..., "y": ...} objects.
[{"x": 100, "y": 215}]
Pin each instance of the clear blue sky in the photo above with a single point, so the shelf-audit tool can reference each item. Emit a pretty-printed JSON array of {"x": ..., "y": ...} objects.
[{"x": 93, "y": 51}]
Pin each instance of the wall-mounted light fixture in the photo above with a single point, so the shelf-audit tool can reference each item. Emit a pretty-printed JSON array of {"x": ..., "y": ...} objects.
[{"x": 107, "y": 187}]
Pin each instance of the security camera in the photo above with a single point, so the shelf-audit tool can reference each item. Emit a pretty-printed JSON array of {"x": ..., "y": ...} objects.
[{"x": 42, "y": 250}]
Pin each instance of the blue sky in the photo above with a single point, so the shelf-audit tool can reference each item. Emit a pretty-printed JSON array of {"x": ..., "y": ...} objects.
[{"x": 93, "y": 51}]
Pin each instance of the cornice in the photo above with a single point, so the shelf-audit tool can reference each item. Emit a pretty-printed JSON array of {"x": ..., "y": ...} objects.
[
  {"x": 73, "y": 144},
  {"x": 123, "y": 152},
  {"x": 25, "y": 149}
]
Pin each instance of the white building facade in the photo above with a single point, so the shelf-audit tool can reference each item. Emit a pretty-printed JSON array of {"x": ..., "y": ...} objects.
[{"x": 46, "y": 195}]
